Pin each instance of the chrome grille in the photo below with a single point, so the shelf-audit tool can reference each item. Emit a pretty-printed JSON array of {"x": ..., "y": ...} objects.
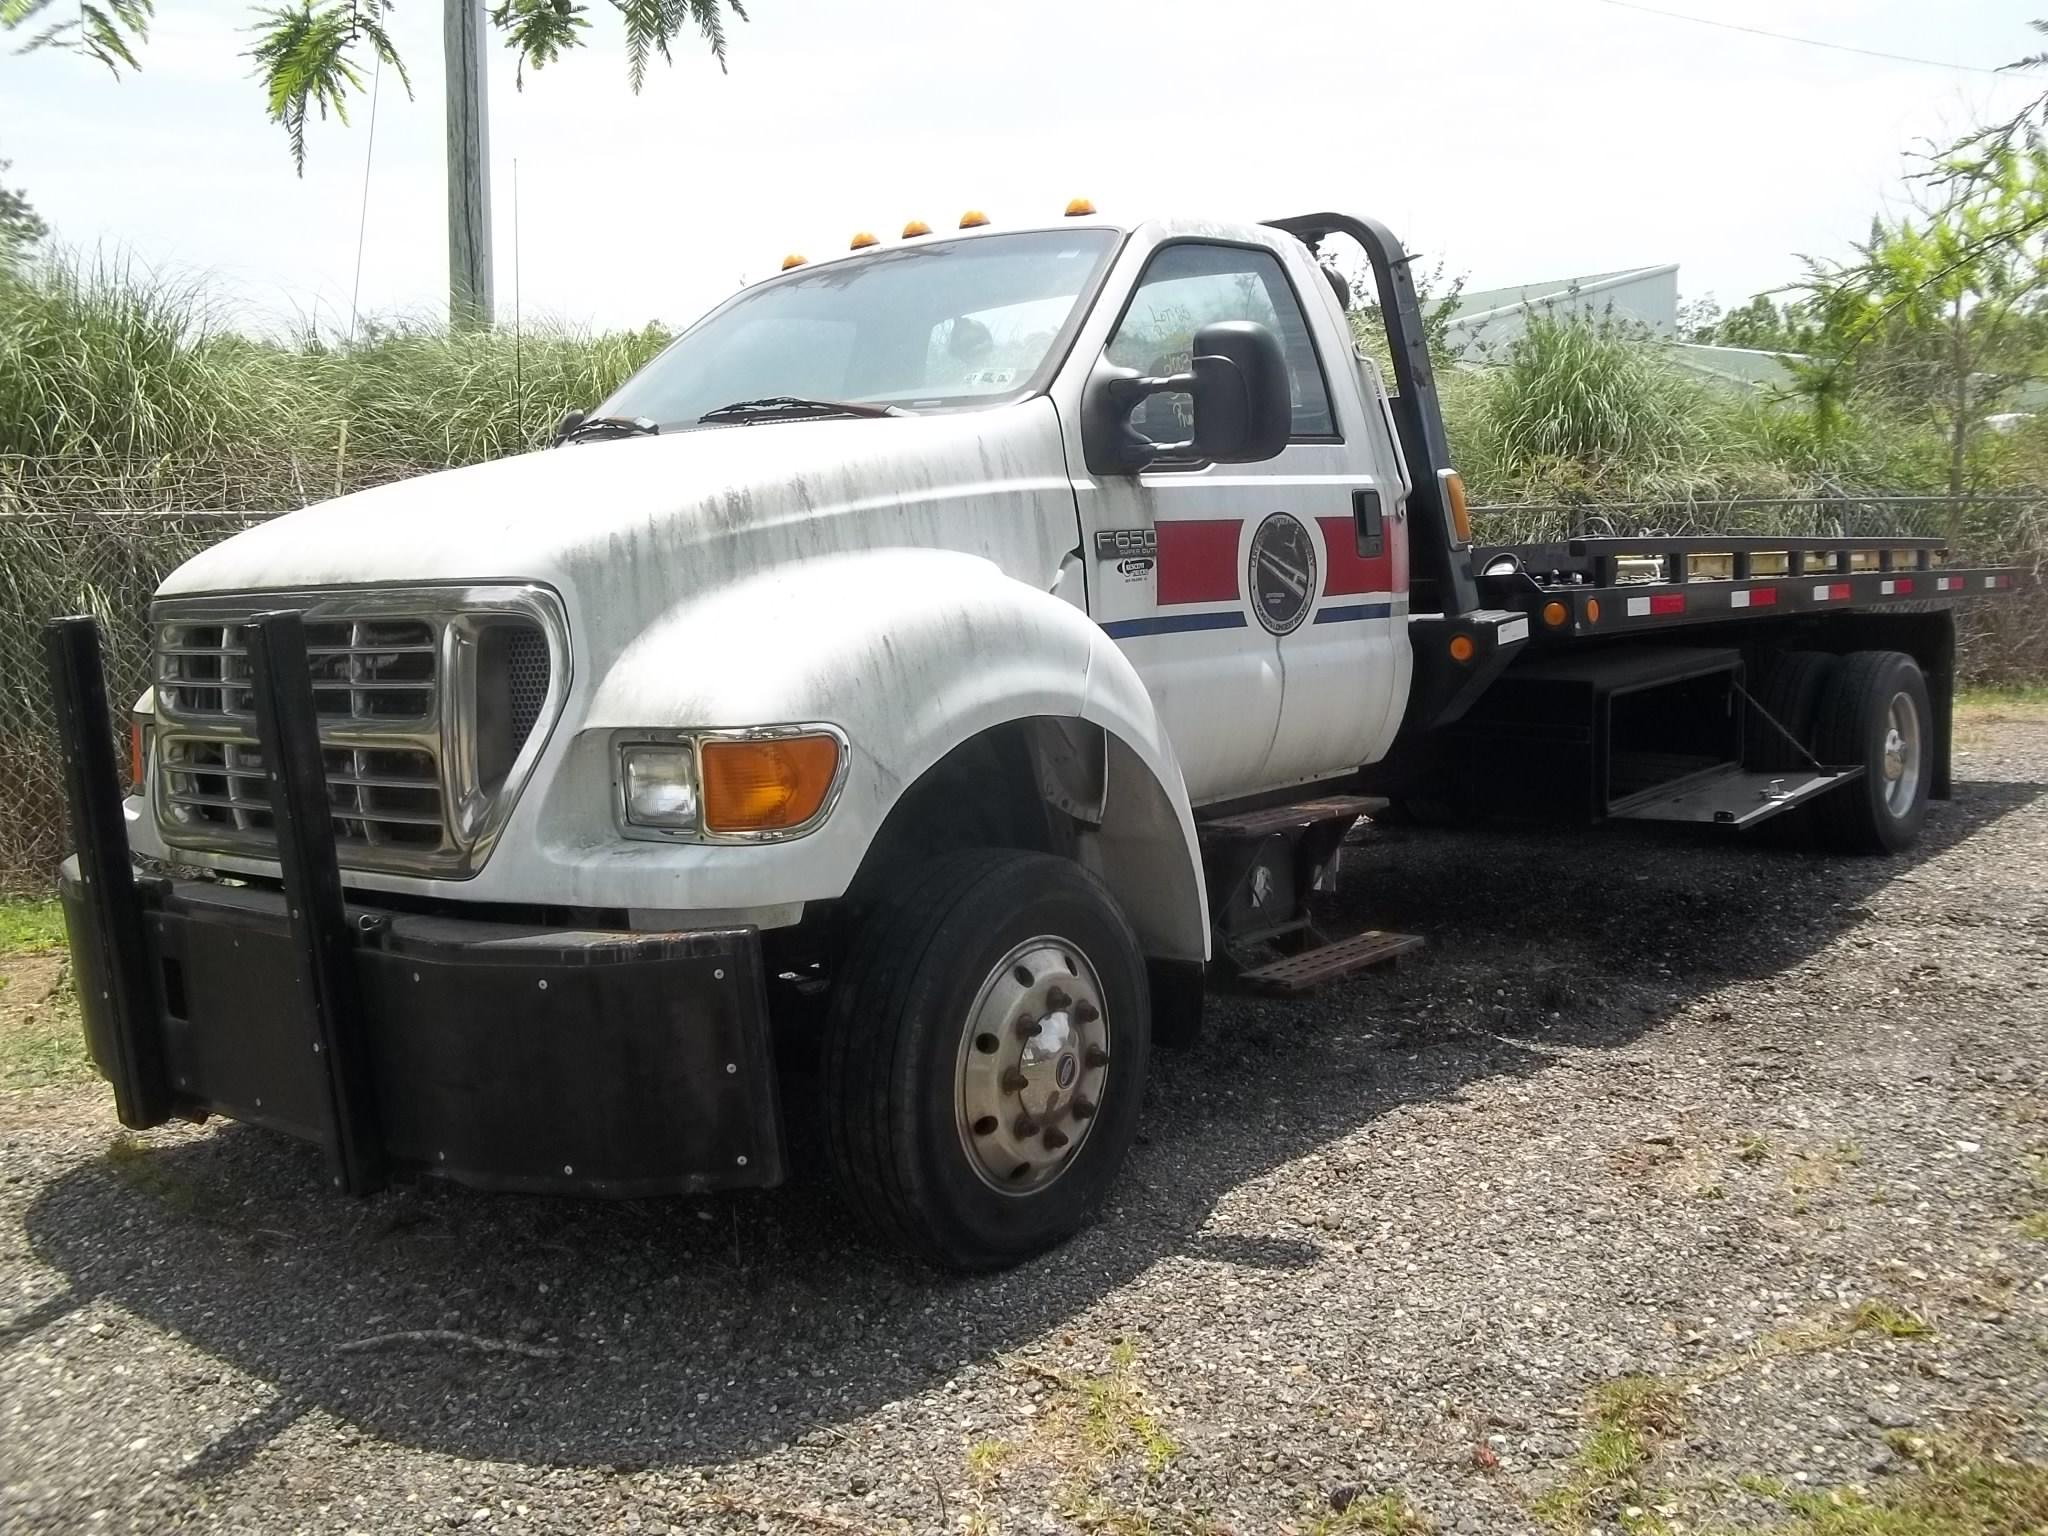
[
  {"x": 430, "y": 708},
  {"x": 364, "y": 670},
  {"x": 388, "y": 798}
]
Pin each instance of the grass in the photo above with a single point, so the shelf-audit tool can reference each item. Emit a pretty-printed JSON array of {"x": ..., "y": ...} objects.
[
  {"x": 1954, "y": 1489},
  {"x": 31, "y": 927},
  {"x": 2035, "y": 1226},
  {"x": 41, "y": 1044},
  {"x": 1388, "y": 1514},
  {"x": 1999, "y": 704},
  {"x": 1627, "y": 1420}
]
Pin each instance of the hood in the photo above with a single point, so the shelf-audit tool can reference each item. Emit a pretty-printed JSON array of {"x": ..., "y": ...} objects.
[{"x": 626, "y": 529}]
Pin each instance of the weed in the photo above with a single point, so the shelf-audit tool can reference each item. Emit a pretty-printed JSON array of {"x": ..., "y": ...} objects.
[
  {"x": 1387, "y": 1515},
  {"x": 1755, "y": 1148},
  {"x": 2035, "y": 1226},
  {"x": 1876, "y": 1316},
  {"x": 1628, "y": 1418},
  {"x": 986, "y": 1458}
]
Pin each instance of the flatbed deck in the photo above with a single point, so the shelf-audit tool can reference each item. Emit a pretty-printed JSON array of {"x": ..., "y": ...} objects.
[{"x": 1632, "y": 585}]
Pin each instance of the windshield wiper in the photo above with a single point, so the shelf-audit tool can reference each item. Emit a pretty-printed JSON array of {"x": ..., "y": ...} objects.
[
  {"x": 607, "y": 426},
  {"x": 796, "y": 405}
]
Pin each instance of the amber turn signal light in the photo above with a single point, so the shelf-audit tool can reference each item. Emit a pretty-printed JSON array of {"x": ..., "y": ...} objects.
[
  {"x": 135, "y": 753},
  {"x": 1553, "y": 613},
  {"x": 768, "y": 785},
  {"x": 1462, "y": 648}
]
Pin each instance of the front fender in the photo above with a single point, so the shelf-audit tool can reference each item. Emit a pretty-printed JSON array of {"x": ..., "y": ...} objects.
[{"x": 910, "y": 652}]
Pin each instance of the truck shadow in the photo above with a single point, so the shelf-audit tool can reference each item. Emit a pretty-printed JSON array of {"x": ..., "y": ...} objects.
[{"x": 698, "y": 1331}]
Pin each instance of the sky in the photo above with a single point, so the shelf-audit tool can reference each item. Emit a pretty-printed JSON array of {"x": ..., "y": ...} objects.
[{"x": 1512, "y": 140}]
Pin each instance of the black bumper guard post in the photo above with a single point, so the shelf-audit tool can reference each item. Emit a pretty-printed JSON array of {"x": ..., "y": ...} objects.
[
  {"x": 92, "y": 785},
  {"x": 287, "y": 727}
]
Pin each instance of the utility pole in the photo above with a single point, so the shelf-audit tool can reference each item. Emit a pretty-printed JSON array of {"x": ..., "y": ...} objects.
[{"x": 469, "y": 164}]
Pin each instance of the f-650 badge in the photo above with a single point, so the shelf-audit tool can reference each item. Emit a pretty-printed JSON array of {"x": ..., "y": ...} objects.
[{"x": 1124, "y": 543}]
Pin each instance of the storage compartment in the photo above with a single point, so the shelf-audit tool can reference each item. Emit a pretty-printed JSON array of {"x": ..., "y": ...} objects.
[{"x": 1582, "y": 737}]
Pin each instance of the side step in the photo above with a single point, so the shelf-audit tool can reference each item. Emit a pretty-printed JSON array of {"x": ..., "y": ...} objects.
[
  {"x": 1326, "y": 962},
  {"x": 1301, "y": 813}
]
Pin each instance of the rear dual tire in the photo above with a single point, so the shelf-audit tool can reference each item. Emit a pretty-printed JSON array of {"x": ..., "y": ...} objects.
[
  {"x": 1875, "y": 712},
  {"x": 1868, "y": 709}
]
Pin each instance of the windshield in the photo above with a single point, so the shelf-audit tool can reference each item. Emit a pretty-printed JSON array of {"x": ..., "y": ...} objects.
[{"x": 959, "y": 322}]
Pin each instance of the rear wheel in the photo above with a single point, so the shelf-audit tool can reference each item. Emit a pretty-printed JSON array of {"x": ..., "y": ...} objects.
[
  {"x": 1875, "y": 713},
  {"x": 985, "y": 1057},
  {"x": 1784, "y": 707}
]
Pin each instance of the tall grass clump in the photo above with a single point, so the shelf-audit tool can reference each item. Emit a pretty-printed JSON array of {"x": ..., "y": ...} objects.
[
  {"x": 425, "y": 395},
  {"x": 1578, "y": 407},
  {"x": 102, "y": 361},
  {"x": 106, "y": 366}
]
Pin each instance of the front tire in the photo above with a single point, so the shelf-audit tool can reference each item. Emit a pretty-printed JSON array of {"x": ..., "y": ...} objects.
[
  {"x": 1875, "y": 712},
  {"x": 985, "y": 1057}
]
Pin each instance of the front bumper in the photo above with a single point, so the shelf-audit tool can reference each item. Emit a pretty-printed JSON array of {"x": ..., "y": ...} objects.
[{"x": 499, "y": 1055}]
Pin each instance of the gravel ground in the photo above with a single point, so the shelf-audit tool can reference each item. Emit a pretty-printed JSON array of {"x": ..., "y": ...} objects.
[{"x": 1765, "y": 1130}]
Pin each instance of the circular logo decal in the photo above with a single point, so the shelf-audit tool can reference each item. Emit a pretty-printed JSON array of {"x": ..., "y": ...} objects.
[
  {"x": 1282, "y": 579},
  {"x": 1065, "y": 1073}
]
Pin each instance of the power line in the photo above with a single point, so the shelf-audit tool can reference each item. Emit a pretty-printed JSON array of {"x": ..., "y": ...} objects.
[{"x": 1809, "y": 42}]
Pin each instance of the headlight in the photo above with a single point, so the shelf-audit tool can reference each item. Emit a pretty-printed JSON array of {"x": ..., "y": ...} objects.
[
  {"x": 660, "y": 784},
  {"x": 761, "y": 784}
]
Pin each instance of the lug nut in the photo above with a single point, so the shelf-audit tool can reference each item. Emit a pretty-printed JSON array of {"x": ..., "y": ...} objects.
[
  {"x": 1026, "y": 1027},
  {"x": 1055, "y": 1138},
  {"x": 1086, "y": 1012},
  {"x": 1055, "y": 999},
  {"x": 1027, "y": 1125},
  {"x": 1083, "y": 1109},
  {"x": 1095, "y": 1056},
  {"x": 1014, "y": 1080}
]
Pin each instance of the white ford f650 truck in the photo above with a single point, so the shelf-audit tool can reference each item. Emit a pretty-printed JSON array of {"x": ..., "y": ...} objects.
[{"x": 860, "y": 733}]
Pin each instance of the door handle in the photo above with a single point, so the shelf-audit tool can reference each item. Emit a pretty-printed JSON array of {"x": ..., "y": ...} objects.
[{"x": 1368, "y": 521}]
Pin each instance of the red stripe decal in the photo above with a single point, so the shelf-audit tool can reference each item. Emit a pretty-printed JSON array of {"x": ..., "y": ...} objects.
[
  {"x": 1349, "y": 570},
  {"x": 1668, "y": 602},
  {"x": 1763, "y": 597},
  {"x": 1198, "y": 560},
  {"x": 1903, "y": 585}
]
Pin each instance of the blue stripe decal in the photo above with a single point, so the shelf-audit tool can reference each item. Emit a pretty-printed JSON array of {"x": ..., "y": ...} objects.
[
  {"x": 1172, "y": 624},
  {"x": 1354, "y": 611}
]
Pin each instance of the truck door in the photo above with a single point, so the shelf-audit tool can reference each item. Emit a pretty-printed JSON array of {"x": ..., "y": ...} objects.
[{"x": 1253, "y": 599}]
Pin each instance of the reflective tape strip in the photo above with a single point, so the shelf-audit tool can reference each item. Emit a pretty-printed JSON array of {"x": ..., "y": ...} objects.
[
  {"x": 1645, "y": 607},
  {"x": 1898, "y": 587},
  {"x": 1948, "y": 583},
  {"x": 1753, "y": 597},
  {"x": 1834, "y": 592},
  {"x": 1639, "y": 607}
]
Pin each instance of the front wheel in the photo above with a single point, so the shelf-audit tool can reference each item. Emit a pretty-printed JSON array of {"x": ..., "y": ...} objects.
[{"x": 985, "y": 1057}]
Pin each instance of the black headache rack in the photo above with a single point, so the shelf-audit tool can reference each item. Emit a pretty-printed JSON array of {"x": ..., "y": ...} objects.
[
  {"x": 1480, "y": 612},
  {"x": 503, "y": 1055}
]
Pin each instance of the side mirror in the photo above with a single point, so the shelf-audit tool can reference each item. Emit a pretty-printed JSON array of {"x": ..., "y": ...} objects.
[
  {"x": 570, "y": 421},
  {"x": 1237, "y": 380}
]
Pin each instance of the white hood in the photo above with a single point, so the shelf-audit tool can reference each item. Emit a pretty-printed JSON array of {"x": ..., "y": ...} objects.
[{"x": 626, "y": 529}]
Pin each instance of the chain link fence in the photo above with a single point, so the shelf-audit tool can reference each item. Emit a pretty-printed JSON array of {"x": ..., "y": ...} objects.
[{"x": 98, "y": 539}]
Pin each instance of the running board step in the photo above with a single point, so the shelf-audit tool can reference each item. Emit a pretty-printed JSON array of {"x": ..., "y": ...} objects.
[
  {"x": 1326, "y": 962},
  {"x": 1301, "y": 813}
]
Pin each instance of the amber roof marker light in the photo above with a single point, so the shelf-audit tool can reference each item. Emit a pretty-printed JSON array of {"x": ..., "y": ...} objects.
[
  {"x": 791, "y": 261},
  {"x": 915, "y": 228},
  {"x": 1079, "y": 208},
  {"x": 973, "y": 218}
]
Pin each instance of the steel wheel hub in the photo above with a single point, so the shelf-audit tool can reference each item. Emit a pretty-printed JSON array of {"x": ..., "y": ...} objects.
[
  {"x": 1034, "y": 1060},
  {"x": 1901, "y": 755}
]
